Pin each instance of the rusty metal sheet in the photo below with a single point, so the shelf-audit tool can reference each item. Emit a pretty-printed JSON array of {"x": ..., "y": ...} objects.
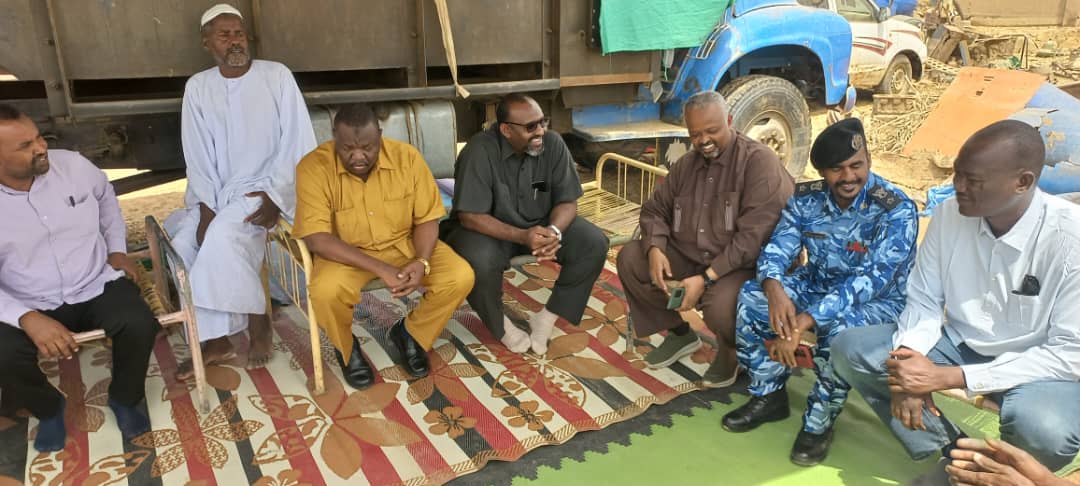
[
  {"x": 975, "y": 99},
  {"x": 632, "y": 130},
  {"x": 1011, "y": 12},
  {"x": 335, "y": 35},
  {"x": 488, "y": 32},
  {"x": 576, "y": 58},
  {"x": 134, "y": 39},
  {"x": 20, "y": 40}
]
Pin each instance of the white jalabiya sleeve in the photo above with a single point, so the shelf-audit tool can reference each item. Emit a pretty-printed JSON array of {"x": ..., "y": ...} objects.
[
  {"x": 196, "y": 136},
  {"x": 297, "y": 139}
]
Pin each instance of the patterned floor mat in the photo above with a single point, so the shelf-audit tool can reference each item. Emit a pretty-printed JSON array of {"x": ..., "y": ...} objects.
[{"x": 480, "y": 403}]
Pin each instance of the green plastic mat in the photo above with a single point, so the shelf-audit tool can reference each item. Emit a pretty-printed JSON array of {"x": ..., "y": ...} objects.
[{"x": 696, "y": 450}]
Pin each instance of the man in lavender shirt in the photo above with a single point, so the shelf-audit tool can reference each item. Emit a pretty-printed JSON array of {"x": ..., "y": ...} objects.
[{"x": 62, "y": 265}]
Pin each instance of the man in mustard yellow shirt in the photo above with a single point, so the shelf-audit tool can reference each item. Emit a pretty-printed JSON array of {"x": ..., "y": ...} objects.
[{"x": 368, "y": 207}]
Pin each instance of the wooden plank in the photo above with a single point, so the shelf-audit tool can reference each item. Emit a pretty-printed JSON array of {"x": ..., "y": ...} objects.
[
  {"x": 597, "y": 79},
  {"x": 965, "y": 56},
  {"x": 977, "y": 98},
  {"x": 936, "y": 39},
  {"x": 948, "y": 44}
]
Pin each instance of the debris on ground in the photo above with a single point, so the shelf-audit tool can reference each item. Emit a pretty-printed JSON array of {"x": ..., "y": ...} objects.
[{"x": 894, "y": 119}]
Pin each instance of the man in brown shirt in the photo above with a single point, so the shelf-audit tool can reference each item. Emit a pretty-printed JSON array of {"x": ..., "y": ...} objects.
[{"x": 703, "y": 228}]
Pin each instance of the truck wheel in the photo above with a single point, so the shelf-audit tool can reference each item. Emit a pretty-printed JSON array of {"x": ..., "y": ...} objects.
[
  {"x": 772, "y": 111},
  {"x": 897, "y": 76}
]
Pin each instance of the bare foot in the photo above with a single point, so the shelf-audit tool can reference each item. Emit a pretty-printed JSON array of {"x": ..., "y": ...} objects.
[
  {"x": 262, "y": 340},
  {"x": 214, "y": 351}
]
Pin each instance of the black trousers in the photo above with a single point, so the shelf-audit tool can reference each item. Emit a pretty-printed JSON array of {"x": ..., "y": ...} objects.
[
  {"x": 125, "y": 317},
  {"x": 584, "y": 250}
]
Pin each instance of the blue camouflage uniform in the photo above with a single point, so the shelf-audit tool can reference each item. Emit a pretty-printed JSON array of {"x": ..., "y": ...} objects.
[{"x": 856, "y": 275}]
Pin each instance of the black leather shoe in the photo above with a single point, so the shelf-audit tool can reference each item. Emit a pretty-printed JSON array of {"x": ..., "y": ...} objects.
[
  {"x": 413, "y": 357},
  {"x": 358, "y": 373},
  {"x": 810, "y": 449},
  {"x": 759, "y": 410}
]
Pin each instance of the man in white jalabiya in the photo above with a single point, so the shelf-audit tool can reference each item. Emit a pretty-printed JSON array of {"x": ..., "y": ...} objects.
[{"x": 244, "y": 127}]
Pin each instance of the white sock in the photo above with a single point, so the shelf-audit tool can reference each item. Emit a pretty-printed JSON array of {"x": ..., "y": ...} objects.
[
  {"x": 516, "y": 340},
  {"x": 542, "y": 323}
]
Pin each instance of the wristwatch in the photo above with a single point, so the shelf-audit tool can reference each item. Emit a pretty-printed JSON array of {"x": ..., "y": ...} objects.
[
  {"x": 427, "y": 265},
  {"x": 708, "y": 281},
  {"x": 558, "y": 234}
]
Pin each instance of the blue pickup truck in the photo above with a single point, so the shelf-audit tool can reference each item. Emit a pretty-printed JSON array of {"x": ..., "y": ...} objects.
[{"x": 767, "y": 57}]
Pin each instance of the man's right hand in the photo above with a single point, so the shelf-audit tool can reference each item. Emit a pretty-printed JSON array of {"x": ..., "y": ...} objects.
[
  {"x": 51, "y": 338},
  {"x": 781, "y": 309},
  {"x": 389, "y": 275},
  {"x": 994, "y": 462},
  {"x": 206, "y": 215},
  {"x": 659, "y": 269},
  {"x": 908, "y": 409},
  {"x": 538, "y": 238}
]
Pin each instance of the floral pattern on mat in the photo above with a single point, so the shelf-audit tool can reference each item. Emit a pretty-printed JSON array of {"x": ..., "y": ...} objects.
[
  {"x": 479, "y": 402},
  {"x": 338, "y": 419},
  {"x": 195, "y": 440}
]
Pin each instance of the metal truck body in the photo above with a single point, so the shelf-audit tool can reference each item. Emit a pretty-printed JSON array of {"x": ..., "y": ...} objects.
[{"x": 106, "y": 78}]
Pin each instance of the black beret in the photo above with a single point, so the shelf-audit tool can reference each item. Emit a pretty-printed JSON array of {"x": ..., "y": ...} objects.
[{"x": 837, "y": 143}]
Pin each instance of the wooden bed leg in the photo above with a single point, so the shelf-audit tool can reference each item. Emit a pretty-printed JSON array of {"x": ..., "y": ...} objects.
[
  {"x": 316, "y": 350},
  {"x": 197, "y": 366}
]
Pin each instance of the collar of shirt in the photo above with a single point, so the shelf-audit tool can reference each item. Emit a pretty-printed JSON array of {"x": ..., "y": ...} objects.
[
  {"x": 39, "y": 181},
  {"x": 12, "y": 192},
  {"x": 385, "y": 162},
  {"x": 830, "y": 204},
  {"x": 1025, "y": 228},
  {"x": 505, "y": 150}
]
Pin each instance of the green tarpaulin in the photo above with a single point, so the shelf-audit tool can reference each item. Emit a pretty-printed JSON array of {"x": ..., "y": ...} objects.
[{"x": 644, "y": 25}]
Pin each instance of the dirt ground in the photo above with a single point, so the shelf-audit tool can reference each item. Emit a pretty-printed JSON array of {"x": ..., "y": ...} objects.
[{"x": 159, "y": 201}]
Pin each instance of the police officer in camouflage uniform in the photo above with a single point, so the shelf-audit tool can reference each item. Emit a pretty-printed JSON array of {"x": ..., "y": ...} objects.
[{"x": 859, "y": 233}]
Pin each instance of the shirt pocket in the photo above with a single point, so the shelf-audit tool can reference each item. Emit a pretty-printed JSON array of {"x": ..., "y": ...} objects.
[
  {"x": 353, "y": 226},
  {"x": 1021, "y": 309},
  {"x": 724, "y": 211},
  {"x": 85, "y": 217},
  {"x": 682, "y": 217},
  {"x": 534, "y": 208},
  {"x": 398, "y": 212}
]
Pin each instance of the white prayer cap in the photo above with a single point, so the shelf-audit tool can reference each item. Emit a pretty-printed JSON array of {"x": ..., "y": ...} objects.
[{"x": 221, "y": 8}]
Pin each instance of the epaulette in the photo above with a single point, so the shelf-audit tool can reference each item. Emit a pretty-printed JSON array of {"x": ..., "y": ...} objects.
[
  {"x": 804, "y": 188},
  {"x": 885, "y": 197}
]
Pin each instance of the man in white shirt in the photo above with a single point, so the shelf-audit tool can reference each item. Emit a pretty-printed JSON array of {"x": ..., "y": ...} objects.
[
  {"x": 993, "y": 307},
  {"x": 244, "y": 127}
]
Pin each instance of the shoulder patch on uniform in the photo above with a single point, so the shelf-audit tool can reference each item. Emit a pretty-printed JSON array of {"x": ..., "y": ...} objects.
[
  {"x": 804, "y": 188},
  {"x": 886, "y": 198}
]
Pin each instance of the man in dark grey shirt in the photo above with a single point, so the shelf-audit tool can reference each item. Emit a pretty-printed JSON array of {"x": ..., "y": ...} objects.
[{"x": 516, "y": 193}]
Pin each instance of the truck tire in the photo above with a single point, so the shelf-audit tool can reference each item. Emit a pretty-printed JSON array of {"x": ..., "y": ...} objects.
[
  {"x": 897, "y": 76},
  {"x": 772, "y": 111}
]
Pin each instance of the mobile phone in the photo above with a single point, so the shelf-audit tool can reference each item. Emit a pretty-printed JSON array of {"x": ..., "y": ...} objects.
[{"x": 676, "y": 298}]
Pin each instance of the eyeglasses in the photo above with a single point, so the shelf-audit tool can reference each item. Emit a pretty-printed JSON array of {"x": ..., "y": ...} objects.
[{"x": 532, "y": 126}]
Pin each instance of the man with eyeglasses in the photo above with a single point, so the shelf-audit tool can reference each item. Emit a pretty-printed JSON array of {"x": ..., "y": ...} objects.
[
  {"x": 516, "y": 193},
  {"x": 993, "y": 307}
]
